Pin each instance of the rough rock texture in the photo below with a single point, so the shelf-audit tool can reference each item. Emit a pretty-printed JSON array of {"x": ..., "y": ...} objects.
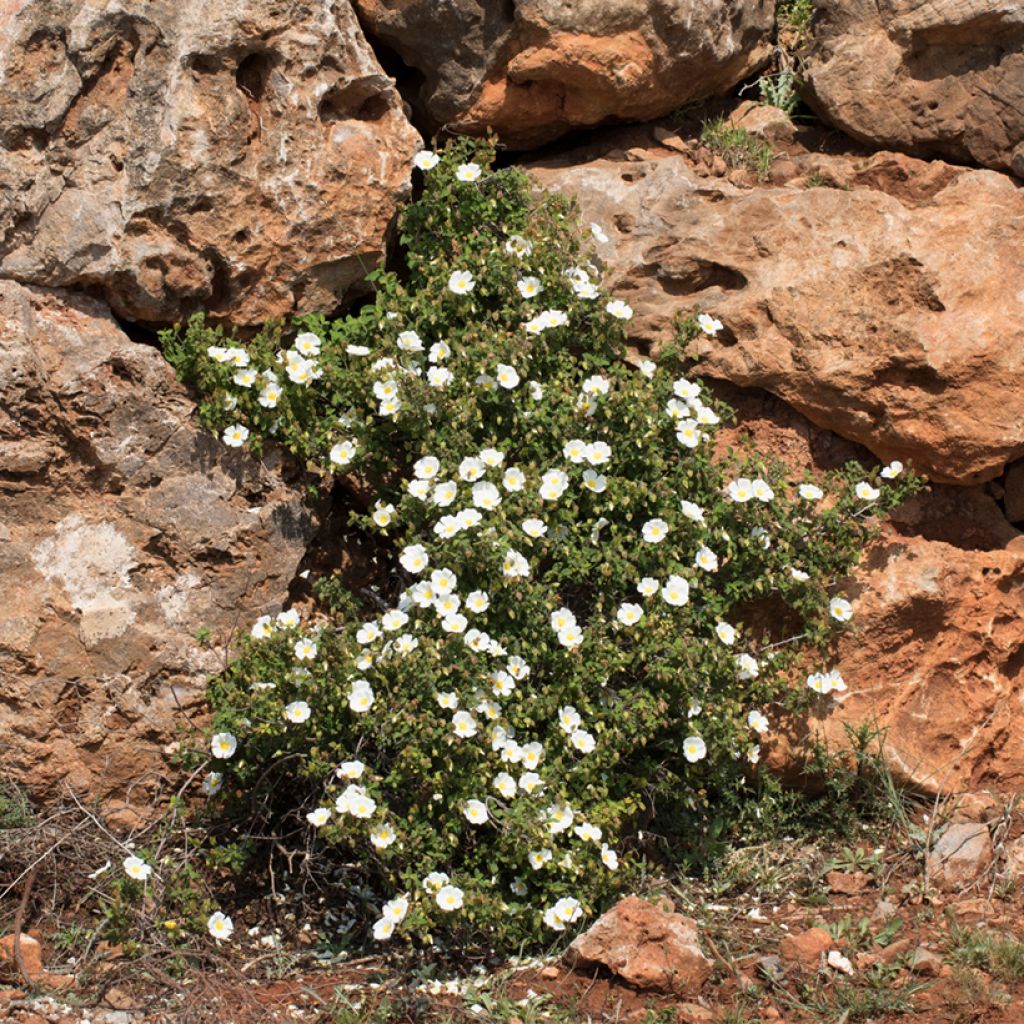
[
  {"x": 646, "y": 947},
  {"x": 244, "y": 157},
  {"x": 889, "y": 310},
  {"x": 124, "y": 529},
  {"x": 932, "y": 77},
  {"x": 807, "y": 948},
  {"x": 533, "y": 69},
  {"x": 961, "y": 854}
]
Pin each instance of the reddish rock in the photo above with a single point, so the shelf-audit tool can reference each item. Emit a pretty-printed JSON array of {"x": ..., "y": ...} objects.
[
  {"x": 846, "y": 883},
  {"x": 960, "y": 855},
  {"x": 246, "y": 157},
  {"x": 851, "y": 304},
  {"x": 128, "y": 530},
  {"x": 936, "y": 78},
  {"x": 807, "y": 947},
  {"x": 536, "y": 69},
  {"x": 646, "y": 947},
  {"x": 31, "y": 955}
]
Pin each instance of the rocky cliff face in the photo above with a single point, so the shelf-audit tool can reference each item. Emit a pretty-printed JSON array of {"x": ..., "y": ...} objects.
[{"x": 249, "y": 160}]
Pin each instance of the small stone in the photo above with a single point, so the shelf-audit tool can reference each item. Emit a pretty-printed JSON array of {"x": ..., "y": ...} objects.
[
  {"x": 119, "y": 999},
  {"x": 807, "y": 947},
  {"x": 31, "y": 954},
  {"x": 884, "y": 911},
  {"x": 892, "y": 952},
  {"x": 848, "y": 884},
  {"x": 549, "y": 972},
  {"x": 926, "y": 963},
  {"x": 961, "y": 854}
]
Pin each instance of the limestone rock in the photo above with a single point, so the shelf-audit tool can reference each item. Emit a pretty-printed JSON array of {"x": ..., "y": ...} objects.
[
  {"x": 931, "y": 77},
  {"x": 849, "y": 303},
  {"x": 538, "y": 68},
  {"x": 127, "y": 529},
  {"x": 647, "y": 947},
  {"x": 960, "y": 855},
  {"x": 244, "y": 157}
]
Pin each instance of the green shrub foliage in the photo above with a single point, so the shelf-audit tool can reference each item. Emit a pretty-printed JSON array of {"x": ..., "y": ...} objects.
[{"x": 590, "y": 619}]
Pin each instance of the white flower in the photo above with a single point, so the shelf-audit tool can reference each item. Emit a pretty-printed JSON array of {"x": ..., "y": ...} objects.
[
  {"x": 439, "y": 352},
  {"x": 798, "y": 574},
  {"x": 692, "y": 511},
  {"x": 409, "y": 341},
  {"x": 262, "y": 628},
  {"x": 588, "y": 833},
  {"x": 560, "y": 817},
  {"x": 648, "y": 586},
  {"x": 535, "y": 389},
  {"x": 725, "y": 633},
  {"x": 708, "y": 324},
  {"x": 575, "y": 450},
  {"x": 694, "y": 749},
  {"x": 517, "y": 668},
  {"x": 534, "y": 527},
  {"x": 740, "y": 490},
  {"x": 426, "y": 160},
  {"x": 235, "y": 436},
  {"x": 220, "y": 926},
  {"x": 893, "y": 470},
  {"x": 507, "y": 376},
  {"x": 598, "y": 453},
  {"x": 449, "y": 897},
  {"x": 350, "y": 770},
  {"x": 383, "y": 836},
  {"x": 357, "y": 350},
  {"x": 762, "y": 536},
  {"x": 675, "y": 591},
  {"x": 746, "y": 667},
  {"x": 297, "y": 712},
  {"x": 395, "y": 909},
  {"x": 270, "y": 395},
  {"x": 647, "y": 367},
  {"x": 835, "y": 680},
  {"x": 361, "y": 697},
  {"x": 569, "y": 718},
  {"x": 529, "y": 782},
  {"x": 585, "y": 289},
  {"x": 514, "y": 479},
  {"x": 448, "y": 700},
  {"x": 223, "y": 745},
  {"x": 629, "y": 614},
  {"x": 289, "y": 618},
  {"x": 531, "y": 755},
  {"x": 686, "y": 390},
  {"x": 435, "y": 880},
  {"x": 516, "y": 245},
  {"x": 866, "y": 492},
  {"x": 514, "y": 565},
  {"x": 706, "y": 559},
  {"x": 414, "y": 558},
  {"x": 230, "y": 403},
  {"x": 478, "y": 601},
  {"x": 538, "y": 858},
  {"x": 212, "y": 782},
  {"x": 383, "y": 929},
  {"x": 464, "y": 724},
  {"x": 357, "y": 802},
  {"x": 762, "y": 490},
  {"x": 461, "y": 282},
  {"x": 447, "y": 526},
  {"x": 570, "y": 636},
  {"x": 551, "y": 318},
  {"x": 708, "y": 417},
  {"x": 486, "y": 495},
  {"x": 307, "y": 344},
  {"x": 568, "y": 910},
  {"x": 753, "y": 752},
  {"x": 529, "y": 287},
  {"x": 810, "y": 492},
  {"x": 367, "y": 633},
  {"x": 688, "y": 434},
  {"x": 594, "y": 481},
  {"x": 468, "y": 172},
  {"x": 137, "y": 868},
  {"x": 305, "y": 650},
  {"x": 343, "y": 453},
  {"x": 475, "y": 812},
  {"x": 582, "y": 741},
  {"x": 218, "y": 354},
  {"x": 840, "y": 609},
  {"x": 609, "y": 857},
  {"x": 393, "y": 619},
  {"x": 655, "y": 531},
  {"x": 758, "y": 722},
  {"x": 619, "y": 309},
  {"x": 319, "y": 817},
  {"x": 455, "y": 623},
  {"x": 383, "y": 514},
  {"x": 444, "y": 582},
  {"x": 505, "y": 785}
]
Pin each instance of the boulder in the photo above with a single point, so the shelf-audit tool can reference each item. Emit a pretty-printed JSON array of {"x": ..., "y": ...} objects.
[
  {"x": 930, "y": 77},
  {"x": 960, "y": 855},
  {"x": 535, "y": 69},
  {"x": 652, "y": 949},
  {"x": 849, "y": 302},
  {"x": 125, "y": 529},
  {"x": 246, "y": 158}
]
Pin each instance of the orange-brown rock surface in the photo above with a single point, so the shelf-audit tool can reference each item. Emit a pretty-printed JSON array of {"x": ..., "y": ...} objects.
[
  {"x": 245, "y": 157},
  {"x": 535, "y": 69},
  {"x": 124, "y": 528},
  {"x": 931, "y": 77},
  {"x": 888, "y": 308}
]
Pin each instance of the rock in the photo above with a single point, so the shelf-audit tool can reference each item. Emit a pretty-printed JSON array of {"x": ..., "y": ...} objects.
[
  {"x": 960, "y": 856},
  {"x": 847, "y": 883},
  {"x": 646, "y": 947},
  {"x": 535, "y": 69},
  {"x": 935, "y": 78},
  {"x": 833, "y": 300},
  {"x": 31, "y": 955},
  {"x": 1014, "y": 853},
  {"x": 884, "y": 911},
  {"x": 170, "y": 156},
  {"x": 807, "y": 947},
  {"x": 768, "y": 122},
  {"x": 891, "y": 953},
  {"x": 1013, "y": 497},
  {"x": 925, "y": 962},
  {"x": 975, "y": 807},
  {"x": 138, "y": 530}
]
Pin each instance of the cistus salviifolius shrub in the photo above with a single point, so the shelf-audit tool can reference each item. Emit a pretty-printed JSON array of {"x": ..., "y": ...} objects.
[{"x": 589, "y": 621}]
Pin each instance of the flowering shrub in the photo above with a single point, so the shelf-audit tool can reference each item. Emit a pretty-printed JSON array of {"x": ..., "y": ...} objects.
[{"x": 590, "y": 621}]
